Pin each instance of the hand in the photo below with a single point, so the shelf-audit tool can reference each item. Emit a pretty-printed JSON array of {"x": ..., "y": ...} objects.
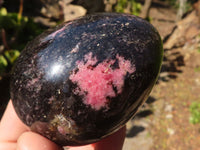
[{"x": 14, "y": 135}]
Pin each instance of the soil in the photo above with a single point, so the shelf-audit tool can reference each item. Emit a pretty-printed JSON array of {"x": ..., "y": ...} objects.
[
  {"x": 170, "y": 127},
  {"x": 163, "y": 121}
]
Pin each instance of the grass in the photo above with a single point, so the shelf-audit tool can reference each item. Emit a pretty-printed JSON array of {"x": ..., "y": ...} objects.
[
  {"x": 197, "y": 69},
  {"x": 195, "y": 112}
]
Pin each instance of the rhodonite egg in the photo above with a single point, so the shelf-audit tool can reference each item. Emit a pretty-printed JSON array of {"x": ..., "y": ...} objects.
[{"x": 83, "y": 80}]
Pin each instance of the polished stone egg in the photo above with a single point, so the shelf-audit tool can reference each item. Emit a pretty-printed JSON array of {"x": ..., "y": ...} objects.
[{"x": 83, "y": 80}]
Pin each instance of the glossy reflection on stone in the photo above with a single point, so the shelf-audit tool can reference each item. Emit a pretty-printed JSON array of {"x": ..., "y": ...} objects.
[{"x": 83, "y": 80}]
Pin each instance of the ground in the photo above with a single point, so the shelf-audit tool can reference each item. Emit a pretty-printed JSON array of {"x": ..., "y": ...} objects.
[
  {"x": 171, "y": 128},
  {"x": 163, "y": 122}
]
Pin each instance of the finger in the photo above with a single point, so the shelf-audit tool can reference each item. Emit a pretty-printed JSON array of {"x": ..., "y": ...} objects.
[
  {"x": 7, "y": 146},
  {"x": 11, "y": 127},
  {"x": 112, "y": 142},
  {"x": 34, "y": 141},
  {"x": 86, "y": 147}
]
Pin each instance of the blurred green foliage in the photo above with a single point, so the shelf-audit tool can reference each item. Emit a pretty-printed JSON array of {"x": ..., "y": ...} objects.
[
  {"x": 197, "y": 69},
  {"x": 128, "y": 6},
  {"x": 195, "y": 112},
  {"x": 16, "y": 31}
]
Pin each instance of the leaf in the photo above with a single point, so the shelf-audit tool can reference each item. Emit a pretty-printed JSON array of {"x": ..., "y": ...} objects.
[
  {"x": 12, "y": 55},
  {"x": 3, "y": 11},
  {"x": 7, "y": 23},
  {"x": 3, "y": 61},
  {"x": 195, "y": 112}
]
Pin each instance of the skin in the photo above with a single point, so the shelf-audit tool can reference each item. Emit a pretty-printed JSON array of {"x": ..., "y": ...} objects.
[{"x": 14, "y": 135}]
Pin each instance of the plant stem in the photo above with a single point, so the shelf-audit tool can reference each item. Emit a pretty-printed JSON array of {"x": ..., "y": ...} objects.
[
  {"x": 20, "y": 10},
  {"x": 3, "y": 34}
]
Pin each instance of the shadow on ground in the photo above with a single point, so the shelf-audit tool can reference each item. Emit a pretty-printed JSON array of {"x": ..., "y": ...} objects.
[
  {"x": 140, "y": 126},
  {"x": 171, "y": 67},
  {"x": 134, "y": 131}
]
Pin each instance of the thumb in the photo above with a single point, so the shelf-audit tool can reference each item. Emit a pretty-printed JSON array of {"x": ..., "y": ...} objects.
[{"x": 34, "y": 141}]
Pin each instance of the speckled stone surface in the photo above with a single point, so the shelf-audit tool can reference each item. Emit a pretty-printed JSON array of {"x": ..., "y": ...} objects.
[{"x": 85, "y": 79}]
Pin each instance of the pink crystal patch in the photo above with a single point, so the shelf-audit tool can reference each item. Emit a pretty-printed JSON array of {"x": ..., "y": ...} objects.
[{"x": 96, "y": 83}]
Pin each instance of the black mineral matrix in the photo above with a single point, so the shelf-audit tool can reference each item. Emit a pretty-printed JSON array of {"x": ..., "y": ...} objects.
[{"x": 83, "y": 80}]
